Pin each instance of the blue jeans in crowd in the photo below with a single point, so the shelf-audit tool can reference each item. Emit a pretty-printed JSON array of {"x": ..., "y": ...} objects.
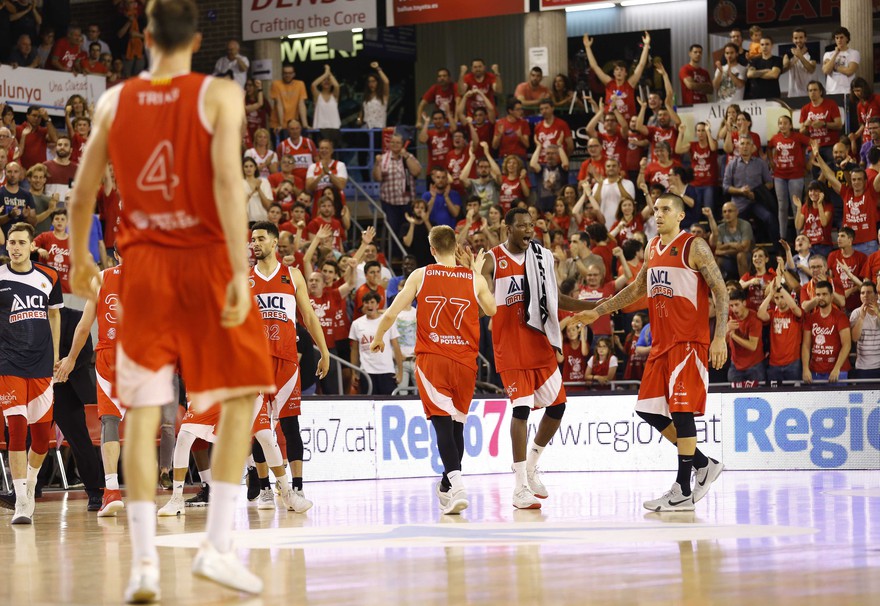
[
  {"x": 789, "y": 372},
  {"x": 823, "y": 376},
  {"x": 752, "y": 373},
  {"x": 765, "y": 217},
  {"x": 866, "y": 247},
  {"x": 705, "y": 197},
  {"x": 785, "y": 189}
]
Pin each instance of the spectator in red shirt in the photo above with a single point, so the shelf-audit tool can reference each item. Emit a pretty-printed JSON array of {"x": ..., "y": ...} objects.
[
  {"x": 847, "y": 265},
  {"x": 812, "y": 218},
  {"x": 575, "y": 349},
  {"x": 602, "y": 366},
  {"x": 868, "y": 107},
  {"x": 788, "y": 151},
  {"x": 827, "y": 340},
  {"x": 512, "y": 133},
  {"x": 756, "y": 283},
  {"x": 514, "y": 183},
  {"x": 592, "y": 169},
  {"x": 438, "y": 135},
  {"x": 34, "y": 135},
  {"x": 859, "y": 201},
  {"x": 704, "y": 162},
  {"x": 551, "y": 130},
  {"x": 53, "y": 247},
  {"x": 659, "y": 170},
  {"x": 67, "y": 53},
  {"x": 820, "y": 119},
  {"x": 785, "y": 333},
  {"x": 92, "y": 64},
  {"x": 664, "y": 132},
  {"x": 443, "y": 96},
  {"x": 620, "y": 89},
  {"x": 744, "y": 337},
  {"x": 329, "y": 305},
  {"x": 478, "y": 77},
  {"x": 373, "y": 274},
  {"x": 531, "y": 92},
  {"x": 614, "y": 135},
  {"x": 481, "y": 127},
  {"x": 325, "y": 217},
  {"x": 819, "y": 271},
  {"x": 696, "y": 85}
]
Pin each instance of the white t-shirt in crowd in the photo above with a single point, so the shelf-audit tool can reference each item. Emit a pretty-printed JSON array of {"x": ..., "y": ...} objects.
[
  {"x": 727, "y": 90},
  {"x": 610, "y": 201},
  {"x": 835, "y": 82},
  {"x": 362, "y": 332}
]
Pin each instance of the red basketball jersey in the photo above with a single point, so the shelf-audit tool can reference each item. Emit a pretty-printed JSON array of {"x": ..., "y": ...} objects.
[
  {"x": 276, "y": 299},
  {"x": 678, "y": 296},
  {"x": 107, "y": 311},
  {"x": 517, "y": 346},
  {"x": 448, "y": 315},
  {"x": 160, "y": 147}
]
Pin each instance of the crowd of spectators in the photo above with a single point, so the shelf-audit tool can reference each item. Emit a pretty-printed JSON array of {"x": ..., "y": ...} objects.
[{"x": 792, "y": 220}]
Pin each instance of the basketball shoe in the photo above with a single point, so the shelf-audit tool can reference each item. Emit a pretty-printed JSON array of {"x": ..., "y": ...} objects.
[
  {"x": 111, "y": 504},
  {"x": 704, "y": 477},
  {"x": 524, "y": 499},
  {"x": 174, "y": 507},
  {"x": 225, "y": 569},
  {"x": 672, "y": 500}
]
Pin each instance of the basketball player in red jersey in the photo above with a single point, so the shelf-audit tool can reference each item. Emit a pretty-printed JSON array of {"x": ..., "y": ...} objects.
[
  {"x": 524, "y": 357},
  {"x": 110, "y": 411},
  {"x": 447, "y": 341},
  {"x": 281, "y": 291},
  {"x": 185, "y": 290},
  {"x": 678, "y": 273}
]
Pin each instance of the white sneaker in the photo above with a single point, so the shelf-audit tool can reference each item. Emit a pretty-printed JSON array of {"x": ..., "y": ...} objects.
[
  {"x": 176, "y": 506},
  {"x": 457, "y": 502},
  {"x": 442, "y": 497},
  {"x": 535, "y": 484},
  {"x": 672, "y": 500},
  {"x": 143, "y": 585},
  {"x": 296, "y": 501},
  {"x": 524, "y": 499},
  {"x": 225, "y": 569},
  {"x": 266, "y": 500},
  {"x": 24, "y": 511},
  {"x": 704, "y": 478}
]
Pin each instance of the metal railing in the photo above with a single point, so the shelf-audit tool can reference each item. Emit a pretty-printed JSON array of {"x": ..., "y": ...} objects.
[
  {"x": 339, "y": 364},
  {"x": 375, "y": 211}
]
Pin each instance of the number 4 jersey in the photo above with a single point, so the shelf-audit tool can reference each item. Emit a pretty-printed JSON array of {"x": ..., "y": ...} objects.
[
  {"x": 276, "y": 299},
  {"x": 448, "y": 315}
]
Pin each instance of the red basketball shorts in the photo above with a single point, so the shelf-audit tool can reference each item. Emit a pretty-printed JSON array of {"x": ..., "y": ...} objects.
[
  {"x": 534, "y": 387},
  {"x": 30, "y": 398},
  {"x": 172, "y": 301},
  {"x": 202, "y": 424},
  {"x": 446, "y": 387},
  {"x": 262, "y": 419},
  {"x": 108, "y": 404},
  {"x": 676, "y": 381},
  {"x": 286, "y": 401}
]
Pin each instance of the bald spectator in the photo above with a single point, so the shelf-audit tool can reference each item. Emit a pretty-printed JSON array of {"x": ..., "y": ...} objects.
[
  {"x": 732, "y": 240},
  {"x": 696, "y": 85},
  {"x": 299, "y": 147},
  {"x": 530, "y": 92},
  {"x": 326, "y": 171},
  {"x": 93, "y": 35},
  {"x": 24, "y": 54},
  {"x": 840, "y": 64},
  {"x": 67, "y": 52},
  {"x": 233, "y": 64}
]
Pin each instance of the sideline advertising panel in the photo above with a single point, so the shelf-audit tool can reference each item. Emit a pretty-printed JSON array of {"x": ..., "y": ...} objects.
[
  {"x": 413, "y": 12},
  {"x": 23, "y": 87}
]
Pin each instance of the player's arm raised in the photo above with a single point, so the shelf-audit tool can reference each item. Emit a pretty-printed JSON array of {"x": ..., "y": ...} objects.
[
  {"x": 485, "y": 298},
  {"x": 311, "y": 321},
  {"x": 224, "y": 107},
  {"x": 702, "y": 259},
  {"x": 629, "y": 295},
  {"x": 88, "y": 179},
  {"x": 402, "y": 301}
]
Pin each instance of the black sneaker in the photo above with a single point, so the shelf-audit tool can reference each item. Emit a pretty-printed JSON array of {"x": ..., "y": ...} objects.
[
  {"x": 165, "y": 481},
  {"x": 201, "y": 499},
  {"x": 7, "y": 500},
  {"x": 95, "y": 500},
  {"x": 253, "y": 484}
]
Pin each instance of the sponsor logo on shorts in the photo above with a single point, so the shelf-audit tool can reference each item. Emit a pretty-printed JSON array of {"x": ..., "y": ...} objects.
[
  {"x": 511, "y": 389},
  {"x": 7, "y": 398}
]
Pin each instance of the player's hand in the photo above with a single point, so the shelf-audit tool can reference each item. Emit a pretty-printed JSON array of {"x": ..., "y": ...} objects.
[
  {"x": 717, "y": 352},
  {"x": 83, "y": 277},
  {"x": 238, "y": 302},
  {"x": 377, "y": 345},
  {"x": 586, "y": 317},
  {"x": 477, "y": 261},
  {"x": 63, "y": 368},
  {"x": 323, "y": 365}
]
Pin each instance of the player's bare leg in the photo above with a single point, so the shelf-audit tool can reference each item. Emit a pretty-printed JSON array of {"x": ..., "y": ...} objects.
[
  {"x": 112, "y": 501},
  {"x": 272, "y": 455},
  {"x": 25, "y": 464},
  {"x": 523, "y": 498},
  {"x": 139, "y": 462},
  {"x": 216, "y": 561}
]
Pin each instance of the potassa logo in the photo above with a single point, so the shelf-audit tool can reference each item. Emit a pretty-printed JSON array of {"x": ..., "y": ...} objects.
[
  {"x": 140, "y": 219},
  {"x": 252, "y": 282},
  {"x": 502, "y": 264},
  {"x": 111, "y": 333},
  {"x": 434, "y": 337}
]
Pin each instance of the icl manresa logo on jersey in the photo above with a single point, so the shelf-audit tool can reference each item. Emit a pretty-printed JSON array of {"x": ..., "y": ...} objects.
[{"x": 28, "y": 307}]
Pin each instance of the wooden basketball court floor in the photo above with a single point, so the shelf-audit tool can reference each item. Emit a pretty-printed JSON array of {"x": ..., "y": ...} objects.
[{"x": 761, "y": 537}]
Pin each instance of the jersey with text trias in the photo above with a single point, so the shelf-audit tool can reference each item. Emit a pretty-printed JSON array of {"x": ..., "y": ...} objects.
[
  {"x": 678, "y": 296},
  {"x": 160, "y": 147},
  {"x": 25, "y": 336},
  {"x": 107, "y": 310},
  {"x": 448, "y": 315},
  {"x": 517, "y": 346},
  {"x": 276, "y": 299}
]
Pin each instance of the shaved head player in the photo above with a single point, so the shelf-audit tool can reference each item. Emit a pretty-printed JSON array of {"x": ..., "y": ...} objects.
[
  {"x": 678, "y": 273},
  {"x": 185, "y": 294}
]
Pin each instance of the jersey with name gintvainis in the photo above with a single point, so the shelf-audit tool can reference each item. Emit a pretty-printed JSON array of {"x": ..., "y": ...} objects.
[{"x": 25, "y": 336}]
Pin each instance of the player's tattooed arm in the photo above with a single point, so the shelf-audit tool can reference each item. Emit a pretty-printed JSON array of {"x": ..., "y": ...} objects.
[
  {"x": 702, "y": 259},
  {"x": 629, "y": 295}
]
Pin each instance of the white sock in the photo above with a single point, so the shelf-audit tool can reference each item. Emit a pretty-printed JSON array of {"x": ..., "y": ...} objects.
[
  {"x": 533, "y": 454},
  {"x": 224, "y": 496},
  {"x": 176, "y": 489},
  {"x": 520, "y": 470},
  {"x": 455, "y": 479},
  {"x": 21, "y": 491},
  {"x": 205, "y": 476},
  {"x": 142, "y": 530},
  {"x": 281, "y": 482},
  {"x": 111, "y": 481}
]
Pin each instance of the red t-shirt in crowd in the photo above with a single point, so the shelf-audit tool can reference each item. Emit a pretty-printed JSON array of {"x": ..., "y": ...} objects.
[
  {"x": 867, "y": 110},
  {"x": 109, "y": 209},
  {"x": 749, "y": 327},
  {"x": 335, "y": 226},
  {"x": 602, "y": 326},
  {"x": 856, "y": 262},
  {"x": 614, "y": 146},
  {"x": 656, "y": 134},
  {"x": 442, "y": 97},
  {"x": 484, "y": 135},
  {"x": 785, "y": 337},
  {"x": 595, "y": 168},
  {"x": 548, "y": 134},
  {"x": 700, "y": 75},
  {"x": 510, "y": 133},
  {"x": 329, "y": 308},
  {"x": 439, "y": 144},
  {"x": 755, "y": 294},
  {"x": 68, "y": 54},
  {"x": 622, "y": 98},
  {"x": 756, "y": 139},
  {"x": 704, "y": 163},
  {"x": 871, "y": 267},
  {"x": 634, "y": 153},
  {"x": 59, "y": 256},
  {"x": 637, "y": 224},
  {"x": 808, "y": 290},
  {"x": 574, "y": 363},
  {"x": 511, "y": 190},
  {"x": 359, "y": 298},
  {"x": 813, "y": 228},
  {"x": 657, "y": 173},
  {"x": 826, "y": 111},
  {"x": 486, "y": 86},
  {"x": 825, "y": 342},
  {"x": 860, "y": 213},
  {"x": 790, "y": 154},
  {"x": 35, "y": 145}
]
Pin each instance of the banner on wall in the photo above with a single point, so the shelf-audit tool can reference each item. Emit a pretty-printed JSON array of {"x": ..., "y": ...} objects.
[
  {"x": 23, "y": 87},
  {"x": 262, "y": 19},
  {"x": 552, "y": 5},
  {"x": 412, "y": 12},
  {"x": 742, "y": 14}
]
